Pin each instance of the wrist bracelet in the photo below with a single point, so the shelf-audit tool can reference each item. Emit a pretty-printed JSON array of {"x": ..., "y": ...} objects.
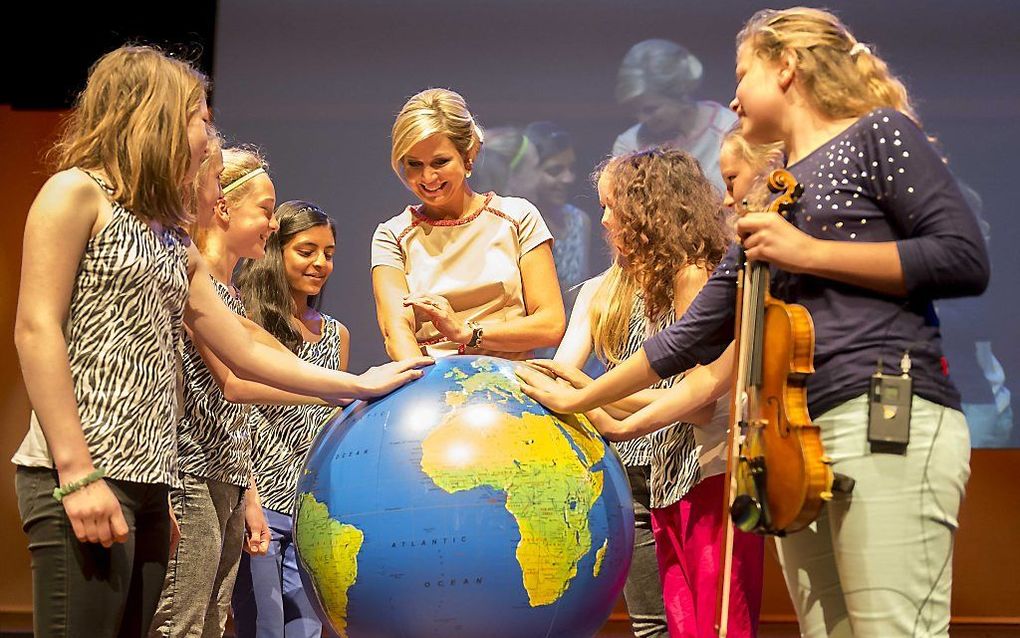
[{"x": 60, "y": 492}]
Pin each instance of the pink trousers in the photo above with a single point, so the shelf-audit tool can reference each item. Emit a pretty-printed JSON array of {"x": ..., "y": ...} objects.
[{"x": 687, "y": 544}]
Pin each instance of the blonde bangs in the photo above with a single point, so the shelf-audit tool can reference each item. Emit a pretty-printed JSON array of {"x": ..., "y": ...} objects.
[
  {"x": 406, "y": 133},
  {"x": 432, "y": 112}
]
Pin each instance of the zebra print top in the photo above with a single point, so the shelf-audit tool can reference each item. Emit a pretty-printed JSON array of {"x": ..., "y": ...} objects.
[
  {"x": 672, "y": 452},
  {"x": 213, "y": 439},
  {"x": 283, "y": 434},
  {"x": 123, "y": 329},
  {"x": 638, "y": 451}
]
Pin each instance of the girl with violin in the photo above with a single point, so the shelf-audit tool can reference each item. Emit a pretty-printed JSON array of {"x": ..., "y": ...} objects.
[{"x": 880, "y": 231}]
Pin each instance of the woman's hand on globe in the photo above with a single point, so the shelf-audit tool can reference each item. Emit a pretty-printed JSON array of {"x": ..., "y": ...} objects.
[
  {"x": 437, "y": 309},
  {"x": 556, "y": 395},
  {"x": 567, "y": 372},
  {"x": 380, "y": 380},
  {"x": 545, "y": 381}
]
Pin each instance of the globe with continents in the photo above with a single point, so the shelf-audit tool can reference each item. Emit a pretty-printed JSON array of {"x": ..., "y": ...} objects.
[{"x": 457, "y": 506}]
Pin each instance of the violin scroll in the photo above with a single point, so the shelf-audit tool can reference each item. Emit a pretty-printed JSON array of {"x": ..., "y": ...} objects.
[{"x": 781, "y": 181}]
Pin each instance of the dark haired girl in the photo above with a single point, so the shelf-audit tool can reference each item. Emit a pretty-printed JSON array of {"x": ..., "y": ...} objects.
[{"x": 282, "y": 293}]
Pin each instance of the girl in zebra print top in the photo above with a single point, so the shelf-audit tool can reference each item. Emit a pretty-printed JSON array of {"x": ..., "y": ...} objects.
[
  {"x": 109, "y": 279},
  {"x": 213, "y": 441},
  {"x": 662, "y": 220},
  {"x": 283, "y": 292},
  {"x": 688, "y": 520}
]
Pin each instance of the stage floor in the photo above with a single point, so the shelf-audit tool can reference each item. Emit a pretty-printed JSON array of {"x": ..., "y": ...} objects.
[
  {"x": 616, "y": 629},
  {"x": 789, "y": 630},
  {"x": 772, "y": 630}
]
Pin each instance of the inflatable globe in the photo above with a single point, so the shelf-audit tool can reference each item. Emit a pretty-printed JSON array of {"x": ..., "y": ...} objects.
[{"x": 457, "y": 506}]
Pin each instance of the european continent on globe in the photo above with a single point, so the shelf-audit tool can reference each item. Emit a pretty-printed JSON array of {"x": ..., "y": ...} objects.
[{"x": 542, "y": 464}]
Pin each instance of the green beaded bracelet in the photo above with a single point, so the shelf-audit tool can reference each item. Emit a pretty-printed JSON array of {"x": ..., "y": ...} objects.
[{"x": 60, "y": 492}]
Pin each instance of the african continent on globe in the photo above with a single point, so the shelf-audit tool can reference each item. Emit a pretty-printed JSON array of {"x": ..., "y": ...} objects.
[{"x": 457, "y": 506}]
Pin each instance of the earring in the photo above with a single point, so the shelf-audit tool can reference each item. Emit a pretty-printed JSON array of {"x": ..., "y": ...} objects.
[{"x": 468, "y": 174}]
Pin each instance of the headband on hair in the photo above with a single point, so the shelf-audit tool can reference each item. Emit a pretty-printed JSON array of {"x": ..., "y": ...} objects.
[
  {"x": 520, "y": 153},
  {"x": 242, "y": 179},
  {"x": 857, "y": 48}
]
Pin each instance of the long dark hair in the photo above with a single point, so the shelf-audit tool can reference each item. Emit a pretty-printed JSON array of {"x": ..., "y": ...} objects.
[{"x": 263, "y": 282}]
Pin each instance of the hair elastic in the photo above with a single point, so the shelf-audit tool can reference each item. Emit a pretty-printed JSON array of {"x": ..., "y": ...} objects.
[
  {"x": 520, "y": 152},
  {"x": 859, "y": 47},
  {"x": 242, "y": 179}
]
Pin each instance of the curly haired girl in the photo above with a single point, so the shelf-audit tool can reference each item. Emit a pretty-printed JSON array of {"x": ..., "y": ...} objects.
[{"x": 665, "y": 224}]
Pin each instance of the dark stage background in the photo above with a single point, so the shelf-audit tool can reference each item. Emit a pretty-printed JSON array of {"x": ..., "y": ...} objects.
[{"x": 317, "y": 84}]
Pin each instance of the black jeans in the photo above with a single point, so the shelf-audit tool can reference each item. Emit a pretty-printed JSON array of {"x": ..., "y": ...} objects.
[{"x": 84, "y": 589}]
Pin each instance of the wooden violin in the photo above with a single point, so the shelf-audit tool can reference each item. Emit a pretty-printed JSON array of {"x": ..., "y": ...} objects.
[{"x": 777, "y": 474}]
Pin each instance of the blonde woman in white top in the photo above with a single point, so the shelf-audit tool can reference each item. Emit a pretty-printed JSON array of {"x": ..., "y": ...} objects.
[{"x": 462, "y": 271}]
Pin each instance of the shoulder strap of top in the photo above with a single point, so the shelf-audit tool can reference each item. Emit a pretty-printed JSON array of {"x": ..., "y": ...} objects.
[
  {"x": 329, "y": 326},
  {"x": 99, "y": 181}
]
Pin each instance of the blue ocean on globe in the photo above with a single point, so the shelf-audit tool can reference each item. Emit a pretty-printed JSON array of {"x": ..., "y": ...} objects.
[{"x": 457, "y": 506}]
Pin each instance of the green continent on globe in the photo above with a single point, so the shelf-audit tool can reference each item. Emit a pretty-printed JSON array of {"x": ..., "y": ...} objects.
[
  {"x": 550, "y": 487},
  {"x": 600, "y": 555},
  {"x": 329, "y": 550}
]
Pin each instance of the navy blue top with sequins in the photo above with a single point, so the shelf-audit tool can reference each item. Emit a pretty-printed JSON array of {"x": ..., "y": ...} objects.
[{"x": 880, "y": 180}]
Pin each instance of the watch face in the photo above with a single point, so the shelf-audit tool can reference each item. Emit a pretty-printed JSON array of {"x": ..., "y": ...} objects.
[{"x": 476, "y": 335}]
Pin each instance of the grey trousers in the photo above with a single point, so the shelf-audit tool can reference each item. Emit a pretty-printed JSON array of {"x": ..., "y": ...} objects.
[
  {"x": 201, "y": 573},
  {"x": 879, "y": 562},
  {"x": 643, "y": 589}
]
